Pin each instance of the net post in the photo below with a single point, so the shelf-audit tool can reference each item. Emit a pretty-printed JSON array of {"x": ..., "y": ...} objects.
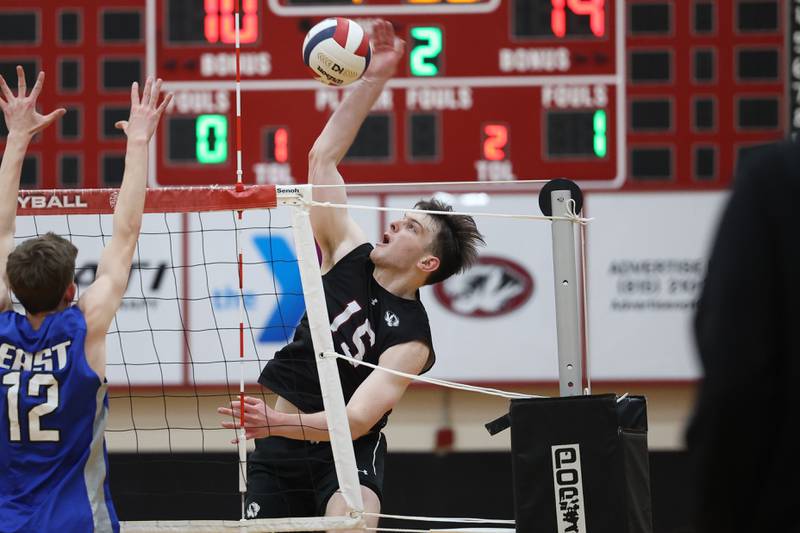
[
  {"x": 319, "y": 323},
  {"x": 554, "y": 200}
]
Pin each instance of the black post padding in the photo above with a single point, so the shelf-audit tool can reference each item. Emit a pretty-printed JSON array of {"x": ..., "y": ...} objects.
[
  {"x": 499, "y": 424},
  {"x": 580, "y": 465}
]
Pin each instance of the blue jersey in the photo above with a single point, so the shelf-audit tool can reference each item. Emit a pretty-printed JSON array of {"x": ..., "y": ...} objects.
[{"x": 53, "y": 409}]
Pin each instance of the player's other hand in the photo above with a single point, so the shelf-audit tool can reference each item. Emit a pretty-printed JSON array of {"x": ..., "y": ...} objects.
[
  {"x": 257, "y": 417},
  {"x": 387, "y": 49},
  {"x": 20, "y": 110},
  {"x": 145, "y": 111}
]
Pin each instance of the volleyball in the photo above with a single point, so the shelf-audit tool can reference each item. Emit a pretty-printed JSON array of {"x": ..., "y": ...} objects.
[{"x": 337, "y": 51}]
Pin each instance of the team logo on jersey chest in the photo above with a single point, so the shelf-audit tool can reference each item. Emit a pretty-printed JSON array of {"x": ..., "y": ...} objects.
[
  {"x": 253, "y": 509},
  {"x": 391, "y": 319}
]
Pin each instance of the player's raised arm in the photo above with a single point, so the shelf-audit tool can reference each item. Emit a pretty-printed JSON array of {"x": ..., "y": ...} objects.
[
  {"x": 335, "y": 231},
  {"x": 102, "y": 299},
  {"x": 23, "y": 122}
]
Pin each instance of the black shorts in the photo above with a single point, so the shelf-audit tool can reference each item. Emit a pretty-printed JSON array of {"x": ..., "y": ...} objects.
[{"x": 287, "y": 477}]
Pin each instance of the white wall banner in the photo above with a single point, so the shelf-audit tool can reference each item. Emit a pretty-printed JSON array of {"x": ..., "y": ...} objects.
[
  {"x": 646, "y": 261},
  {"x": 496, "y": 322},
  {"x": 647, "y": 255},
  {"x": 145, "y": 340},
  {"x": 273, "y": 298}
]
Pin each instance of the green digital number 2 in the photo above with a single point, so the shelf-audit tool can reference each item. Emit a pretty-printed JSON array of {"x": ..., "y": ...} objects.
[{"x": 420, "y": 54}]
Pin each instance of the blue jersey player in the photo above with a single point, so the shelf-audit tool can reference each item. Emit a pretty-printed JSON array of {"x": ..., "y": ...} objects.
[{"x": 53, "y": 398}]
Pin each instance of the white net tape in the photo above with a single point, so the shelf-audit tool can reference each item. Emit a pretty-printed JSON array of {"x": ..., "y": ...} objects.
[{"x": 311, "y": 523}]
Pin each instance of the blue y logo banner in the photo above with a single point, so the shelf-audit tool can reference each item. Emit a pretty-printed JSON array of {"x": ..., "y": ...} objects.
[{"x": 285, "y": 282}]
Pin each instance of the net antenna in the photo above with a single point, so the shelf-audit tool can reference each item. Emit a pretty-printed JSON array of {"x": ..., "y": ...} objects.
[{"x": 242, "y": 443}]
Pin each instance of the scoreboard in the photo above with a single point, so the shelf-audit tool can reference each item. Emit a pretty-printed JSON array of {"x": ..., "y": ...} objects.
[
  {"x": 466, "y": 101},
  {"x": 611, "y": 93}
]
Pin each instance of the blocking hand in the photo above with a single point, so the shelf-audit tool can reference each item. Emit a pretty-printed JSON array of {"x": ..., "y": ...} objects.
[
  {"x": 20, "y": 110},
  {"x": 145, "y": 112}
]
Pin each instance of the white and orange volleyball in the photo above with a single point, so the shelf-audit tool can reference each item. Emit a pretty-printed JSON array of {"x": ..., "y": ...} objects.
[{"x": 337, "y": 51}]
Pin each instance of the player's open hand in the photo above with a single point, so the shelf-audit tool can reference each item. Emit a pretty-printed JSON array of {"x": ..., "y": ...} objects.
[
  {"x": 387, "y": 49},
  {"x": 257, "y": 417},
  {"x": 145, "y": 111},
  {"x": 20, "y": 110}
]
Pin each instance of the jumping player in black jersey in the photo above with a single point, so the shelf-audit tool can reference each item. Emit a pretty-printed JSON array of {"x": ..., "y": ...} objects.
[{"x": 376, "y": 316}]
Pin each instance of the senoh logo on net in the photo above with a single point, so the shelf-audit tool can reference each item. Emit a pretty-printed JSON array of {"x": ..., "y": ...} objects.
[{"x": 493, "y": 286}]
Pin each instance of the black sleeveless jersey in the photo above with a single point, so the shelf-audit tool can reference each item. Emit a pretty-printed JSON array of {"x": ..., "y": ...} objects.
[{"x": 366, "y": 320}]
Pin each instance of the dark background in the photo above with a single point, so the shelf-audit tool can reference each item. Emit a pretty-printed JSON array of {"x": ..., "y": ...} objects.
[{"x": 204, "y": 487}]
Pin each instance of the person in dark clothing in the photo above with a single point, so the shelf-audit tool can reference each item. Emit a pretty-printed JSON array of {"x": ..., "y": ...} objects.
[
  {"x": 740, "y": 436},
  {"x": 372, "y": 299}
]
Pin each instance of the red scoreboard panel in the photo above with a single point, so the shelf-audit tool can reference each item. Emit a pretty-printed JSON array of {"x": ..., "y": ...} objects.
[
  {"x": 614, "y": 94},
  {"x": 488, "y": 90},
  {"x": 91, "y": 53}
]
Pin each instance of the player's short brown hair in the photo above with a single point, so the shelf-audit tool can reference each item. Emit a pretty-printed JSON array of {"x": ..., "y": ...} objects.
[
  {"x": 455, "y": 243},
  {"x": 40, "y": 270}
]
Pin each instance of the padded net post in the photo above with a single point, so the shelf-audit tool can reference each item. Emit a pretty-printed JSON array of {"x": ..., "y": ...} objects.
[
  {"x": 331, "y": 386},
  {"x": 580, "y": 464}
]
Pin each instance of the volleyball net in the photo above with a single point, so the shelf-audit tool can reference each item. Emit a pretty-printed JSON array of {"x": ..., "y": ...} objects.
[{"x": 220, "y": 279}]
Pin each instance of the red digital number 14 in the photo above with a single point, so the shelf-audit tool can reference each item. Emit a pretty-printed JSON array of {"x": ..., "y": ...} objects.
[{"x": 594, "y": 9}]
